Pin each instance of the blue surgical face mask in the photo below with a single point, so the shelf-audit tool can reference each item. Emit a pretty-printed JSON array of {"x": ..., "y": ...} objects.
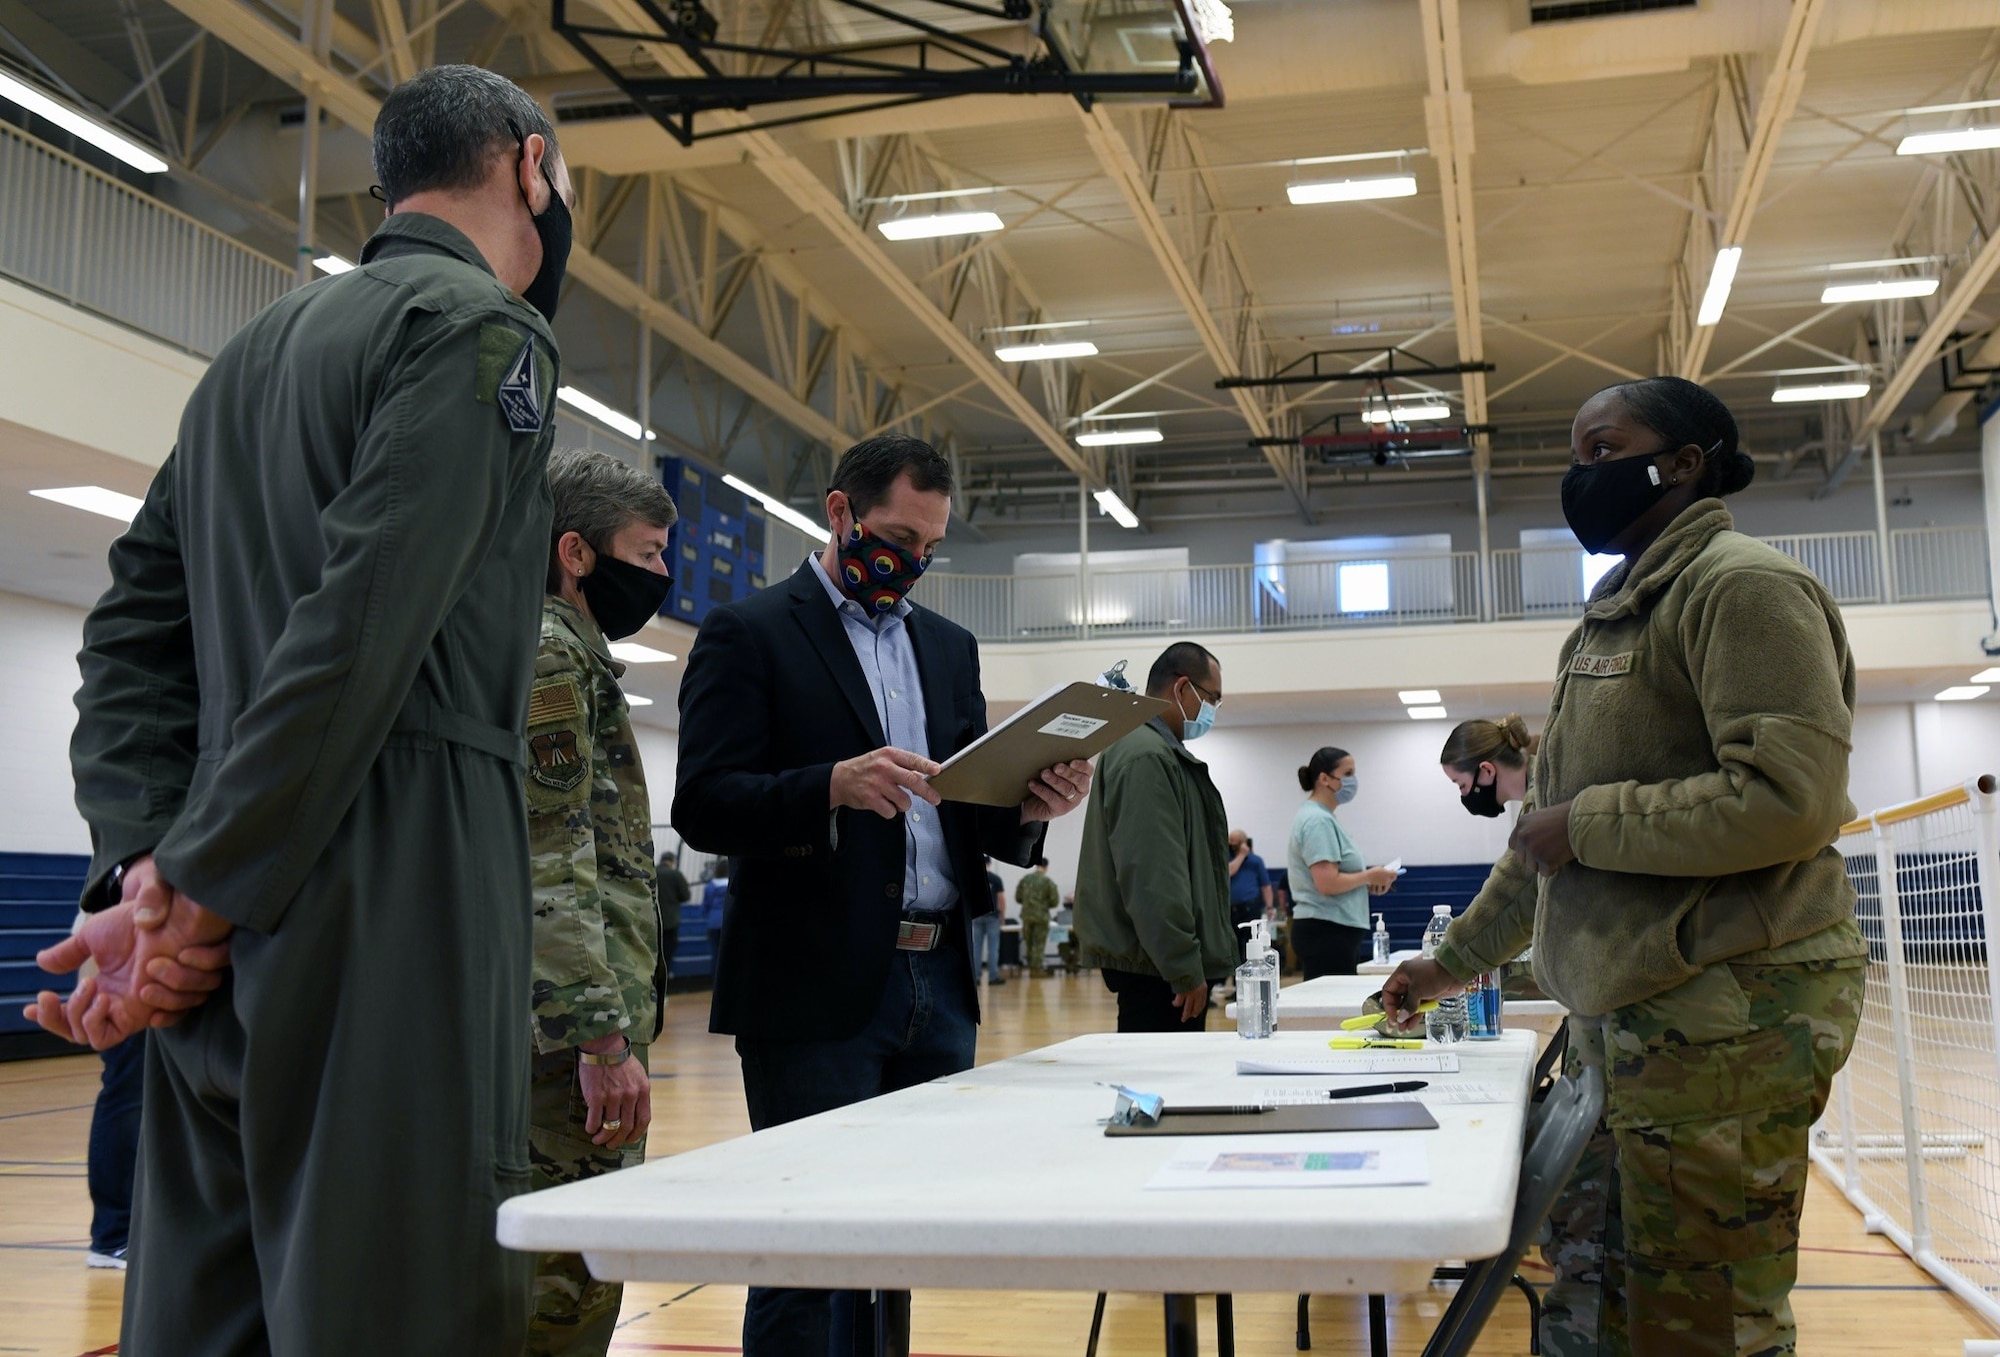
[
  {"x": 1349, "y": 787},
  {"x": 1203, "y": 722}
]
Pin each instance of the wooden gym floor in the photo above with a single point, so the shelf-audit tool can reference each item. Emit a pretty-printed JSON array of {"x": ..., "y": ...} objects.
[{"x": 1856, "y": 1293}]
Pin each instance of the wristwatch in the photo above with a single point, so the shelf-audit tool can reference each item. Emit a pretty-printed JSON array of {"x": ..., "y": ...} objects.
[
  {"x": 114, "y": 886},
  {"x": 617, "y": 1057}
]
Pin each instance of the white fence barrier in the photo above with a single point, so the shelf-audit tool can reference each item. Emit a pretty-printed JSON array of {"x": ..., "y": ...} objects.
[{"x": 1925, "y": 1071}]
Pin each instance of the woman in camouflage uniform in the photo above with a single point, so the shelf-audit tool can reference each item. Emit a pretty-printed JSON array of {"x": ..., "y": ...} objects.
[{"x": 1681, "y": 889}]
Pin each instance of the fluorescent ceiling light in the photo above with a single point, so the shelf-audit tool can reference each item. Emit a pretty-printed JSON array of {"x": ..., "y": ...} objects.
[
  {"x": 1720, "y": 278},
  {"x": 94, "y": 499},
  {"x": 1398, "y": 414},
  {"x": 81, "y": 126},
  {"x": 1353, "y": 190},
  {"x": 1112, "y": 438},
  {"x": 1420, "y": 697},
  {"x": 1949, "y": 141},
  {"x": 333, "y": 264},
  {"x": 1033, "y": 353},
  {"x": 1428, "y": 714},
  {"x": 1036, "y": 325},
  {"x": 633, "y": 653},
  {"x": 1109, "y": 502},
  {"x": 1962, "y": 694},
  {"x": 1886, "y": 290},
  {"x": 1823, "y": 391},
  {"x": 940, "y": 224},
  {"x": 778, "y": 509},
  {"x": 1986, "y": 676},
  {"x": 634, "y": 700},
  {"x": 602, "y": 413}
]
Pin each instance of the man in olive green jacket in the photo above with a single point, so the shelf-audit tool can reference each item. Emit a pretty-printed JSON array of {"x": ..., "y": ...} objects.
[
  {"x": 1152, "y": 887},
  {"x": 302, "y": 711}
]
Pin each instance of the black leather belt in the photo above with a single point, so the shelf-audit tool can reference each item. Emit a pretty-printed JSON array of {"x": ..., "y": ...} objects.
[{"x": 923, "y": 930}]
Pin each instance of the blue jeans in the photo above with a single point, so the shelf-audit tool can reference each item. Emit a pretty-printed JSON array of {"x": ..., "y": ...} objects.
[
  {"x": 986, "y": 945},
  {"x": 922, "y": 1030},
  {"x": 114, "y": 1144}
]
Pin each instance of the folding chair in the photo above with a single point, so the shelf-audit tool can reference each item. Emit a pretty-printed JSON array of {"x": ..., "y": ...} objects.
[{"x": 1556, "y": 1142}]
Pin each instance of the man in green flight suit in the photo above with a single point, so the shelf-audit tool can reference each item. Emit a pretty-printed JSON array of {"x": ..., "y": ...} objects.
[
  {"x": 300, "y": 736},
  {"x": 1039, "y": 900},
  {"x": 590, "y": 830}
]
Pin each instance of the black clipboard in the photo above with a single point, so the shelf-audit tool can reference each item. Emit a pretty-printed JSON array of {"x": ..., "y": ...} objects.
[
  {"x": 1293, "y": 1119},
  {"x": 1074, "y": 721}
]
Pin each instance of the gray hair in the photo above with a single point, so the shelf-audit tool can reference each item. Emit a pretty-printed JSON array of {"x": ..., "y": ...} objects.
[
  {"x": 596, "y": 496},
  {"x": 441, "y": 129}
]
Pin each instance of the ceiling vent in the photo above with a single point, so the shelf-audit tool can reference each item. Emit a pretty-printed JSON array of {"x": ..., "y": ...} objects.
[{"x": 1560, "y": 11}]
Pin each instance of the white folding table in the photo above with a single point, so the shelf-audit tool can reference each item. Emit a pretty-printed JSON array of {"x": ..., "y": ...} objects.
[
  {"x": 1317, "y": 1005},
  {"x": 1386, "y": 967},
  {"x": 881, "y": 1195}
]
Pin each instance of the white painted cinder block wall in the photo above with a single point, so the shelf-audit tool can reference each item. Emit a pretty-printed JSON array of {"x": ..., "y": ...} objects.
[{"x": 1406, "y": 809}]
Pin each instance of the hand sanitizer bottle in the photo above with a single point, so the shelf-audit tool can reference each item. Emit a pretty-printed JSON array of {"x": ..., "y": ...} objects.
[
  {"x": 1381, "y": 942},
  {"x": 1257, "y": 984}
]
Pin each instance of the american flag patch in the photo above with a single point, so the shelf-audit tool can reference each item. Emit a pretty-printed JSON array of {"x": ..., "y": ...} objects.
[{"x": 555, "y": 701}]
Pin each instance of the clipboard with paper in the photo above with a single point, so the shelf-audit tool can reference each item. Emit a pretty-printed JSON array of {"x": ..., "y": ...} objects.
[{"x": 1069, "y": 721}]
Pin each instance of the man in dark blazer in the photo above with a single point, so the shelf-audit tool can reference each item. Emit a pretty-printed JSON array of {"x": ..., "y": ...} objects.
[{"x": 811, "y": 716}]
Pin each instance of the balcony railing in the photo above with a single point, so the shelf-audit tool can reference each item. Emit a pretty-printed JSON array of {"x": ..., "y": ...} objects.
[
  {"x": 79, "y": 234},
  {"x": 1928, "y": 564}
]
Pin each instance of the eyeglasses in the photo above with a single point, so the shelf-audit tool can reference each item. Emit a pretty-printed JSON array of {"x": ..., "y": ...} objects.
[{"x": 1203, "y": 693}]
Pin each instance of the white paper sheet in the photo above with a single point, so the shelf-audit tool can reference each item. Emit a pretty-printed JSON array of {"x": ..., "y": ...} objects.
[
  {"x": 1354, "y": 1062},
  {"x": 1208, "y": 1163}
]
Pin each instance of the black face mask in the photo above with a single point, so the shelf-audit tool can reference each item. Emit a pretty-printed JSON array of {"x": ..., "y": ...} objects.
[
  {"x": 1603, "y": 499},
  {"x": 1483, "y": 801},
  {"x": 553, "y": 227},
  {"x": 623, "y": 596}
]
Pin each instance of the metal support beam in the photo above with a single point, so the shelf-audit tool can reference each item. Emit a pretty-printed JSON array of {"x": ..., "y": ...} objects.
[
  {"x": 1964, "y": 292},
  {"x": 1689, "y": 343},
  {"x": 1249, "y": 357},
  {"x": 1448, "y": 114},
  {"x": 393, "y": 35},
  {"x": 811, "y": 195}
]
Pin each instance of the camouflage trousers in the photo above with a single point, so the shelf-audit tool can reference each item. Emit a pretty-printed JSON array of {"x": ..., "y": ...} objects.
[
  {"x": 1678, "y": 1234},
  {"x": 574, "y": 1312},
  {"x": 1035, "y": 944}
]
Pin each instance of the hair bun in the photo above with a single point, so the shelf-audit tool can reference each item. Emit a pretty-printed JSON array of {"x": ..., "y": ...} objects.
[
  {"x": 1306, "y": 779},
  {"x": 1736, "y": 472},
  {"x": 1515, "y": 731}
]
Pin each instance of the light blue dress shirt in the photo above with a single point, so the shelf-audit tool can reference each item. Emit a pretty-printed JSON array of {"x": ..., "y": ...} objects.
[{"x": 889, "y": 662}]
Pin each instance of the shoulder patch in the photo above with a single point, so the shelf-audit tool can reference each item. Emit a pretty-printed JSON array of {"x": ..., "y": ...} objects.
[
  {"x": 510, "y": 376},
  {"x": 553, "y": 702},
  {"x": 1601, "y": 666},
  {"x": 555, "y": 761}
]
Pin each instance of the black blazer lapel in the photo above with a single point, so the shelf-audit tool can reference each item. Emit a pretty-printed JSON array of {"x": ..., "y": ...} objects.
[
  {"x": 816, "y": 615},
  {"x": 935, "y": 668}
]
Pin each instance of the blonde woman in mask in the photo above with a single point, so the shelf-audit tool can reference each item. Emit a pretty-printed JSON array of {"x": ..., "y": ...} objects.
[
  {"x": 1488, "y": 762},
  {"x": 1329, "y": 878}
]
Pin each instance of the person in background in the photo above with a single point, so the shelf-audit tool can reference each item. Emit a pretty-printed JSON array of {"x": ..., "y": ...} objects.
[
  {"x": 1249, "y": 887},
  {"x": 1330, "y": 880},
  {"x": 1488, "y": 762},
  {"x": 114, "y": 1152},
  {"x": 597, "y": 914},
  {"x": 986, "y": 930},
  {"x": 813, "y": 715},
  {"x": 715, "y": 909},
  {"x": 1152, "y": 886},
  {"x": 1675, "y": 870},
  {"x": 1039, "y": 899},
  {"x": 299, "y": 740},
  {"x": 673, "y": 892}
]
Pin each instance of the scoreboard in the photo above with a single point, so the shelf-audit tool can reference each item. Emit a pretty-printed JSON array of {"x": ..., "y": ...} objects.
[{"x": 717, "y": 548}]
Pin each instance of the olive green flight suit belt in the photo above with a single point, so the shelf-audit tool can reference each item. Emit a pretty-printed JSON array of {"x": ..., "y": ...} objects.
[{"x": 424, "y": 718}]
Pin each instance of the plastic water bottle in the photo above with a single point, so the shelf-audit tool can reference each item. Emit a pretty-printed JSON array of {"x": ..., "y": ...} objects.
[
  {"x": 1257, "y": 984},
  {"x": 1482, "y": 1005},
  {"x": 1381, "y": 942},
  {"x": 1447, "y": 1022}
]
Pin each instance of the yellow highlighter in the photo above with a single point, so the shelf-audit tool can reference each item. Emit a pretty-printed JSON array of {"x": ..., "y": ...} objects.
[
  {"x": 1376, "y": 1043},
  {"x": 1367, "y": 1020}
]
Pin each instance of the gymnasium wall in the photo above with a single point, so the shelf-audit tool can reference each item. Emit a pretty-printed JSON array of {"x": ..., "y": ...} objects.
[{"x": 1406, "y": 809}]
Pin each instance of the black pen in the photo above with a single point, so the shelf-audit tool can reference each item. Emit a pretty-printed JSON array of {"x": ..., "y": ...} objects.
[{"x": 1332, "y": 1094}]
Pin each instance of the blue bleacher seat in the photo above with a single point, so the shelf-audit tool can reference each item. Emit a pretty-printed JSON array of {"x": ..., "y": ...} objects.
[{"x": 38, "y": 893}]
